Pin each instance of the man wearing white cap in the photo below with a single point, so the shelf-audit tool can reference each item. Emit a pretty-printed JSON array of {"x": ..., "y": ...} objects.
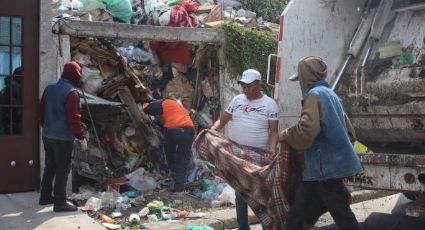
[{"x": 254, "y": 118}]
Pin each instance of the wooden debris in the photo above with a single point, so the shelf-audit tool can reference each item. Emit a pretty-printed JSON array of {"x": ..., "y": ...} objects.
[
  {"x": 214, "y": 24},
  {"x": 204, "y": 9}
]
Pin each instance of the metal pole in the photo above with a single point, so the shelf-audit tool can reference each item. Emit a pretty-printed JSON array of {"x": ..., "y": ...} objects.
[{"x": 341, "y": 72}]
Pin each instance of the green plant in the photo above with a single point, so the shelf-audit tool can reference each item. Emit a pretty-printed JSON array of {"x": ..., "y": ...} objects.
[
  {"x": 270, "y": 10},
  {"x": 248, "y": 48}
]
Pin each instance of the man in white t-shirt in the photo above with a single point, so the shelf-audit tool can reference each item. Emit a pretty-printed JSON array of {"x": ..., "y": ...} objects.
[{"x": 254, "y": 118}]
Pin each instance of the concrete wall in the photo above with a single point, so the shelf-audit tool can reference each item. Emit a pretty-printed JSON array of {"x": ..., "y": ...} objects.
[
  {"x": 228, "y": 85},
  {"x": 320, "y": 28},
  {"x": 51, "y": 61}
]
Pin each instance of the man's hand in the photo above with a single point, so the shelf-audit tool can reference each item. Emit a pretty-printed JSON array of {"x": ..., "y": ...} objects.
[
  {"x": 83, "y": 144},
  {"x": 282, "y": 135}
]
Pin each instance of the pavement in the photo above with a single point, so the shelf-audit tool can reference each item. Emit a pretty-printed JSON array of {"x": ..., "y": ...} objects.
[
  {"x": 21, "y": 211},
  {"x": 382, "y": 213}
]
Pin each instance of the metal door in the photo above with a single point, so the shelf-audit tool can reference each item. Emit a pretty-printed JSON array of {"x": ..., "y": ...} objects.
[{"x": 19, "y": 134}]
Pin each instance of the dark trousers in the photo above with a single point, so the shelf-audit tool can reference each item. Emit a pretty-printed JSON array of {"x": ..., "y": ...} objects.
[
  {"x": 57, "y": 167},
  {"x": 178, "y": 144},
  {"x": 314, "y": 198},
  {"x": 241, "y": 213}
]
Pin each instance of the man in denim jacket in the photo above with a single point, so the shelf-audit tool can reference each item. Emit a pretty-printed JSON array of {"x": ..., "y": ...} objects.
[{"x": 328, "y": 153}]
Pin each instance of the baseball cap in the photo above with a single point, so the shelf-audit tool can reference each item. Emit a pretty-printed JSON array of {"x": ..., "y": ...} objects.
[
  {"x": 294, "y": 77},
  {"x": 250, "y": 75}
]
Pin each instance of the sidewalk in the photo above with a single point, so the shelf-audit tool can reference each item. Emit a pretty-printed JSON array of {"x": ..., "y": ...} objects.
[
  {"x": 220, "y": 220},
  {"x": 21, "y": 211}
]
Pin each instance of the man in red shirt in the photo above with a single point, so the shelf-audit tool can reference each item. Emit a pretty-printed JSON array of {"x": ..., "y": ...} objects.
[{"x": 61, "y": 122}]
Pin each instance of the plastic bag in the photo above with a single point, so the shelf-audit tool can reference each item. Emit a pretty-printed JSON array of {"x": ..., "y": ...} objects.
[
  {"x": 120, "y": 9},
  {"x": 228, "y": 195},
  {"x": 108, "y": 200},
  {"x": 140, "y": 182},
  {"x": 92, "y": 80},
  {"x": 140, "y": 55},
  {"x": 93, "y": 203},
  {"x": 89, "y": 5},
  {"x": 173, "y": 2},
  {"x": 69, "y": 4}
]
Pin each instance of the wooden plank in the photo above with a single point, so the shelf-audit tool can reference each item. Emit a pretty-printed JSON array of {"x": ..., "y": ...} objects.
[
  {"x": 215, "y": 24},
  {"x": 204, "y": 9},
  {"x": 138, "y": 32}
]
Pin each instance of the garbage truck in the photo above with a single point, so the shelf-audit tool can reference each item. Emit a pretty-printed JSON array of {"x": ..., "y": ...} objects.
[{"x": 375, "y": 52}]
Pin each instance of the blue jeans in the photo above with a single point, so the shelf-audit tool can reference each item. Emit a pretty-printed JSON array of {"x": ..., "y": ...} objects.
[
  {"x": 314, "y": 198},
  {"x": 57, "y": 167},
  {"x": 178, "y": 144},
  {"x": 241, "y": 213}
]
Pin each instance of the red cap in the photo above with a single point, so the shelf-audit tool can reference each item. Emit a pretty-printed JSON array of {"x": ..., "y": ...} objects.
[{"x": 73, "y": 72}]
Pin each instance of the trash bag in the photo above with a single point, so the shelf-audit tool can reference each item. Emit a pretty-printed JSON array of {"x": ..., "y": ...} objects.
[
  {"x": 151, "y": 4},
  {"x": 119, "y": 9},
  {"x": 89, "y": 5},
  {"x": 69, "y": 4},
  {"x": 173, "y": 2},
  {"x": 183, "y": 15},
  {"x": 92, "y": 80}
]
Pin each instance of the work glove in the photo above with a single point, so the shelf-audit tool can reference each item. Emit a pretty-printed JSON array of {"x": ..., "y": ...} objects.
[{"x": 83, "y": 144}]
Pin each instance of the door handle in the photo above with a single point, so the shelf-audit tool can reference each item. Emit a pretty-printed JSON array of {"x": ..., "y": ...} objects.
[
  {"x": 30, "y": 162},
  {"x": 13, "y": 163}
]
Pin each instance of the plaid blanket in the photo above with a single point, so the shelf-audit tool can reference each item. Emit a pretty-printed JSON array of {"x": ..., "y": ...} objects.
[{"x": 265, "y": 181}]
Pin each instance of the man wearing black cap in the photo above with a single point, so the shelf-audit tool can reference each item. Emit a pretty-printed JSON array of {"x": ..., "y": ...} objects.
[
  {"x": 329, "y": 156},
  {"x": 61, "y": 122},
  {"x": 254, "y": 123}
]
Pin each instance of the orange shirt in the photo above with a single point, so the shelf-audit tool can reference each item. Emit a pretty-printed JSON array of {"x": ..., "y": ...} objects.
[{"x": 175, "y": 115}]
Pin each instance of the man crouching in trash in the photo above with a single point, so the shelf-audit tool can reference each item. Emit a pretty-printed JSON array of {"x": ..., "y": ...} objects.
[
  {"x": 328, "y": 153},
  {"x": 179, "y": 133}
]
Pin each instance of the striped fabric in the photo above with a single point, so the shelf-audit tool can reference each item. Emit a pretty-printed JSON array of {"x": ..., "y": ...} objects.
[{"x": 263, "y": 180}]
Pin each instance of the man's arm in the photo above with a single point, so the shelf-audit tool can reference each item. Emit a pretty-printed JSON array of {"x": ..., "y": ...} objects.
[
  {"x": 73, "y": 114},
  {"x": 302, "y": 135},
  {"x": 154, "y": 108},
  {"x": 273, "y": 138},
  {"x": 219, "y": 124}
]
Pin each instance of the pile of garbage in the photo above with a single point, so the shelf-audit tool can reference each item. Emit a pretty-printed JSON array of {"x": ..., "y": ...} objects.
[
  {"x": 141, "y": 197},
  {"x": 178, "y": 13},
  {"x": 124, "y": 168}
]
